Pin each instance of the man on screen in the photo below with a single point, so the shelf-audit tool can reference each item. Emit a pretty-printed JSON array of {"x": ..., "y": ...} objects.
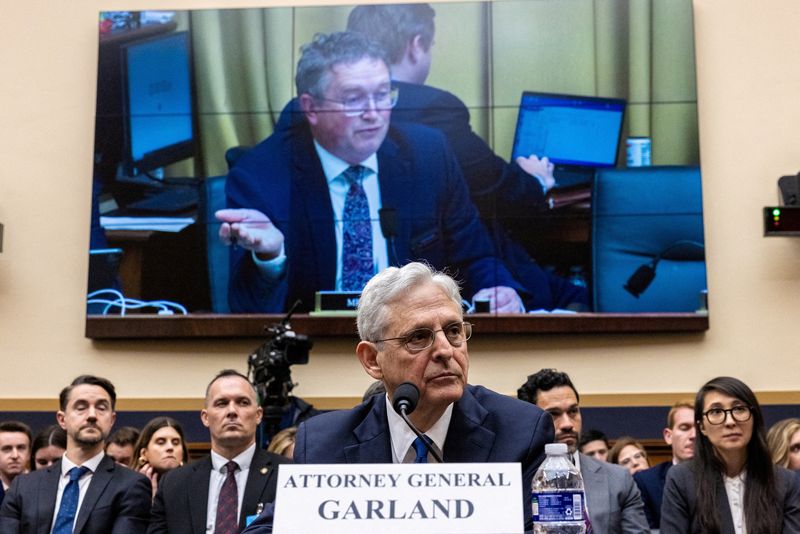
[{"x": 304, "y": 203}]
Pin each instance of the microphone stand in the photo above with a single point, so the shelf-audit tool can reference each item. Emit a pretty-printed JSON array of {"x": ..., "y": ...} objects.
[{"x": 404, "y": 402}]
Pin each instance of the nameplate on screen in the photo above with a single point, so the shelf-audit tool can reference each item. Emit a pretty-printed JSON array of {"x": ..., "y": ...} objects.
[
  {"x": 336, "y": 302},
  {"x": 429, "y": 498}
]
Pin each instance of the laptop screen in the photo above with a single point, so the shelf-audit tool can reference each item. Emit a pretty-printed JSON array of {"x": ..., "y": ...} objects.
[{"x": 569, "y": 130}]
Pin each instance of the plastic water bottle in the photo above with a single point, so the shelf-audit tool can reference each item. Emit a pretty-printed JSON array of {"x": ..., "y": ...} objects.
[{"x": 557, "y": 497}]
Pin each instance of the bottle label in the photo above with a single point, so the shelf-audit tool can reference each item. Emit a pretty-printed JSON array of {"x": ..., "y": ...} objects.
[{"x": 565, "y": 505}]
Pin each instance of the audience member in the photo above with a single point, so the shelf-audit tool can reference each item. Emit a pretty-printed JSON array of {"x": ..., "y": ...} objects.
[
  {"x": 322, "y": 182},
  {"x": 412, "y": 329},
  {"x": 679, "y": 435},
  {"x": 784, "y": 443},
  {"x": 85, "y": 491},
  {"x": 630, "y": 454},
  {"x": 731, "y": 484},
  {"x": 613, "y": 503},
  {"x": 15, "y": 452},
  {"x": 406, "y": 33},
  {"x": 161, "y": 446},
  {"x": 220, "y": 492},
  {"x": 594, "y": 444},
  {"x": 283, "y": 442},
  {"x": 48, "y": 447},
  {"x": 121, "y": 445}
]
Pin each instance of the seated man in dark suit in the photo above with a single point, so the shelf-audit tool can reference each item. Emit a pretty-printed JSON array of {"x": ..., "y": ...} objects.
[
  {"x": 85, "y": 492},
  {"x": 305, "y": 202},
  {"x": 613, "y": 502},
  {"x": 412, "y": 329},
  {"x": 680, "y": 436},
  {"x": 205, "y": 496},
  {"x": 503, "y": 192},
  {"x": 15, "y": 453}
]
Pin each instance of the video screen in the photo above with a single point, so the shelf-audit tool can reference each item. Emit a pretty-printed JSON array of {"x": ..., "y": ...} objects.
[{"x": 332, "y": 142}]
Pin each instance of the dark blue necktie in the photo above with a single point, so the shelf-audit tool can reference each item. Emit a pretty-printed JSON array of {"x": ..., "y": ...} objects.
[
  {"x": 357, "y": 264},
  {"x": 69, "y": 502},
  {"x": 422, "y": 450}
]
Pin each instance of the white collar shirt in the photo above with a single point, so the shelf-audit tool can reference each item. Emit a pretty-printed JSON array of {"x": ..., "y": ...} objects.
[
  {"x": 734, "y": 489},
  {"x": 218, "y": 474},
  {"x": 83, "y": 482},
  {"x": 403, "y": 437},
  {"x": 333, "y": 168}
]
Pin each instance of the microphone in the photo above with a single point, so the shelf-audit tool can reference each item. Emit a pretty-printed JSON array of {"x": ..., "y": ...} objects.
[
  {"x": 388, "y": 218},
  {"x": 404, "y": 401},
  {"x": 644, "y": 275}
]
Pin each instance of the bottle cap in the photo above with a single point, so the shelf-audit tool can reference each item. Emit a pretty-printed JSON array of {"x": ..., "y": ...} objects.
[{"x": 555, "y": 448}]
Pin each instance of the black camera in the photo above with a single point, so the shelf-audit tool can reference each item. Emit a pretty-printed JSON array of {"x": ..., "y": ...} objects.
[{"x": 269, "y": 368}]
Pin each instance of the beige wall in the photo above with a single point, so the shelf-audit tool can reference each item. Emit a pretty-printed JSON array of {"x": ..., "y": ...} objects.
[{"x": 748, "y": 84}]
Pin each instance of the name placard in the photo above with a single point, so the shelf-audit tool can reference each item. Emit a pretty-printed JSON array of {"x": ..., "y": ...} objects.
[{"x": 452, "y": 498}]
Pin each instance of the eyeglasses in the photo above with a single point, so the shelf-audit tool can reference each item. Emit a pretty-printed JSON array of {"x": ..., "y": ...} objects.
[
  {"x": 638, "y": 456},
  {"x": 422, "y": 338},
  {"x": 717, "y": 416},
  {"x": 360, "y": 103}
]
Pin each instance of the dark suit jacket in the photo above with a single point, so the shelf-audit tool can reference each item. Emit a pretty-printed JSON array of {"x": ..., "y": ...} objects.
[
  {"x": 485, "y": 427},
  {"x": 651, "y": 485},
  {"x": 678, "y": 510},
  {"x": 505, "y": 195},
  {"x": 117, "y": 501},
  {"x": 419, "y": 177},
  {"x": 181, "y": 503}
]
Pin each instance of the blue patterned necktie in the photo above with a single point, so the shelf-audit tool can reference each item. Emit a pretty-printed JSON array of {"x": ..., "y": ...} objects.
[
  {"x": 422, "y": 450},
  {"x": 69, "y": 502},
  {"x": 357, "y": 264}
]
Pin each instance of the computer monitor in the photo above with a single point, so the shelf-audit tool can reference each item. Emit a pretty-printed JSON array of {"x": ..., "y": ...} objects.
[
  {"x": 157, "y": 102},
  {"x": 568, "y": 129}
]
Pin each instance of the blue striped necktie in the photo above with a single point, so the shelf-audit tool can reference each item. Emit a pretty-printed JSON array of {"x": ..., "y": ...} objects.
[
  {"x": 357, "y": 264},
  {"x": 69, "y": 502}
]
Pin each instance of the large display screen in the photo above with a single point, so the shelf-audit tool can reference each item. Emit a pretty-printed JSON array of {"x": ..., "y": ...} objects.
[{"x": 449, "y": 185}]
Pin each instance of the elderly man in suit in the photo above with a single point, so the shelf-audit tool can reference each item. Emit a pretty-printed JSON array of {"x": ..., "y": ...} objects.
[
  {"x": 412, "y": 330},
  {"x": 613, "y": 502},
  {"x": 222, "y": 492},
  {"x": 305, "y": 204},
  {"x": 85, "y": 492}
]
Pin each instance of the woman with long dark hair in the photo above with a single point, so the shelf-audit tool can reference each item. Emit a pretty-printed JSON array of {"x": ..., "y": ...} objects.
[
  {"x": 731, "y": 485},
  {"x": 161, "y": 446}
]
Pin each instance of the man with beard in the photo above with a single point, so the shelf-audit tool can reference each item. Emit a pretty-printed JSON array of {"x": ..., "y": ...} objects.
[
  {"x": 613, "y": 502},
  {"x": 85, "y": 492}
]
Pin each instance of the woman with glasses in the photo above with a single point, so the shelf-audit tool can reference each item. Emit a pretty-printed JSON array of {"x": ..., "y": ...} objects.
[
  {"x": 731, "y": 485},
  {"x": 630, "y": 454}
]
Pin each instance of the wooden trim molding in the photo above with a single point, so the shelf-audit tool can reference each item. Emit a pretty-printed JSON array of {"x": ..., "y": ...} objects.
[{"x": 236, "y": 326}]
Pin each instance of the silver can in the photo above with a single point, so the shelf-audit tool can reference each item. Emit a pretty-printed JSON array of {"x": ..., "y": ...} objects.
[{"x": 639, "y": 151}]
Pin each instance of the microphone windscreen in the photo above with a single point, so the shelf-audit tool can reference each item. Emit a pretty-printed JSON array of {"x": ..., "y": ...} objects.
[{"x": 405, "y": 396}]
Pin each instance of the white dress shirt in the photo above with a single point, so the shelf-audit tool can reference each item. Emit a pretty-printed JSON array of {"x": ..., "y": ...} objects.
[
  {"x": 734, "y": 488},
  {"x": 332, "y": 168},
  {"x": 83, "y": 482},
  {"x": 403, "y": 437},
  {"x": 218, "y": 474}
]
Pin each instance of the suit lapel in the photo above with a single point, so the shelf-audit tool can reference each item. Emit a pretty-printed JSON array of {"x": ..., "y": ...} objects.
[
  {"x": 374, "y": 443},
  {"x": 100, "y": 479},
  {"x": 397, "y": 186},
  {"x": 595, "y": 486},
  {"x": 48, "y": 491},
  {"x": 199, "y": 481},
  {"x": 261, "y": 469},
  {"x": 470, "y": 442},
  {"x": 310, "y": 195},
  {"x": 725, "y": 514}
]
